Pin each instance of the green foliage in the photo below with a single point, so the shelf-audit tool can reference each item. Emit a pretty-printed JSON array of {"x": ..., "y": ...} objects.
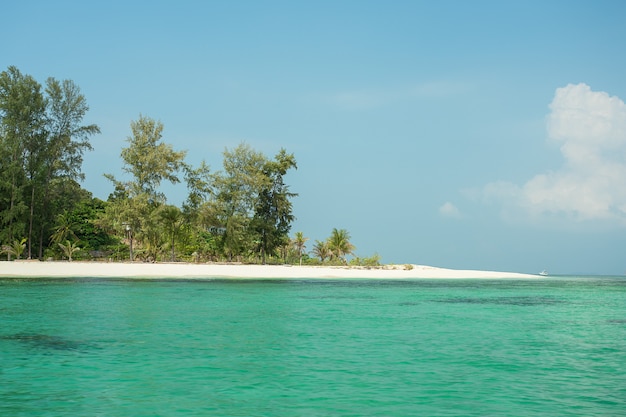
[
  {"x": 371, "y": 261},
  {"x": 299, "y": 244},
  {"x": 200, "y": 187},
  {"x": 16, "y": 248},
  {"x": 243, "y": 212},
  {"x": 136, "y": 209},
  {"x": 67, "y": 138},
  {"x": 149, "y": 160},
  {"x": 69, "y": 248},
  {"x": 251, "y": 204},
  {"x": 334, "y": 249},
  {"x": 339, "y": 244},
  {"x": 80, "y": 224},
  {"x": 42, "y": 142},
  {"x": 171, "y": 219},
  {"x": 273, "y": 209},
  {"x": 64, "y": 228},
  {"x": 233, "y": 204},
  {"x": 22, "y": 111},
  {"x": 322, "y": 250},
  {"x": 85, "y": 215}
]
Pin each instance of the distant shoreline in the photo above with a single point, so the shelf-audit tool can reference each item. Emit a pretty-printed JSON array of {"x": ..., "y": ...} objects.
[{"x": 37, "y": 269}]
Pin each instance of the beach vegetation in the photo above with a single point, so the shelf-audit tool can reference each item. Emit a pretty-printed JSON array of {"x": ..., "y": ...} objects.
[
  {"x": 42, "y": 141},
  {"x": 16, "y": 248},
  {"x": 67, "y": 139},
  {"x": 69, "y": 248},
  {"x": 249, "y": 212},
  {"x": 171, "y": 219},
  {"x": 79, "y": 223},
  {"x": 232, "y": 208},
  {"x": 22, "y": 108},
  {"x": 93, "y": 238},
  {"x": 340, "y": 245},
  {"x": 299, "y": 244},
  {"x": 273, "y": 212},
  {"x": 137, "y": 209},
  {"x": 64, "y": 228},
  {"x": 241, "y": 213},
  {"x": 335, "y": 249},
  {"x": 368, "y": 261},
  {"x": 322, "y": 250}
]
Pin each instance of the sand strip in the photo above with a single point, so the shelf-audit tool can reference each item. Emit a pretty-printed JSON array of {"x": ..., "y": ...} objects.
[{"x": 36, "y": 269}]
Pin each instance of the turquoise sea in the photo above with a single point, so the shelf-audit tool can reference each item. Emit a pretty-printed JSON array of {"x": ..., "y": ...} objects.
[{"x": 95, "y": 347}]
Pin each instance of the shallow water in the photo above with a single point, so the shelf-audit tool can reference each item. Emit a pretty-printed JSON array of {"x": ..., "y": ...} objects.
[{"x": 550, "y": 347}]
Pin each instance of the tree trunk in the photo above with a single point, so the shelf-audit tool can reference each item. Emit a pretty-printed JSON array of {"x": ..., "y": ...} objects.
[
  {"x": 172, "y": 246},
  {"x": 263, "y": 246},
  {"x": 12, "y": 207},
  {"x": 30, "y": 221},
  {"x": 11, "y": 215},
  {"x": 46, "y": 196}
]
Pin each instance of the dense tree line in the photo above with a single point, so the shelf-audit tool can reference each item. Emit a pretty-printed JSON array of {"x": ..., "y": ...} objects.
[
  {"x": 42, "y": 141},
  {"x": 240, "y": 213}
]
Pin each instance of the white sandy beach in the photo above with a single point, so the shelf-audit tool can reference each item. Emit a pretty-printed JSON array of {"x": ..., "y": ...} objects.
[{"x": 35, "y": 269}]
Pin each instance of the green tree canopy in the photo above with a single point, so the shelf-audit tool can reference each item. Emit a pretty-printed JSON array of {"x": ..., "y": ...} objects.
[
  {"x": 251, "y": 203},
  {"x": 22, "y": 109},
  {"x": 138, "y": 208},
  {"x": 273, "y": 209},
  {"x": 299, "y": 243},
  {"x": 42, "y": 143},
  {"x": 149, "y": 160},
  {"x": 339, "y": 244}
]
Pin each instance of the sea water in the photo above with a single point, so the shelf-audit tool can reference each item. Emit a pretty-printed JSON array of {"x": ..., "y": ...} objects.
[{"x": 86, "y": 347}]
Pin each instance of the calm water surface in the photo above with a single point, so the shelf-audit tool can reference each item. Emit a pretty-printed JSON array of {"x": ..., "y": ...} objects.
[{"x": 550, "y": 347}]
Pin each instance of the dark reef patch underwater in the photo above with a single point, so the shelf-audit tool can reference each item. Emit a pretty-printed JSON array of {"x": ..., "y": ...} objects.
[
  {"x": 514, "y": 301},
  {"x": 44, "y": 341}
]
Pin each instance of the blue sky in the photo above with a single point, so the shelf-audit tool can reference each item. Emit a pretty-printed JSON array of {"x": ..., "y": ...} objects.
[{"x": 485, "y": 134}]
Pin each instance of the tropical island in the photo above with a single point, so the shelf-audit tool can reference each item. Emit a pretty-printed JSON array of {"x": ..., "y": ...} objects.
[{"x": 241, "y": 214}]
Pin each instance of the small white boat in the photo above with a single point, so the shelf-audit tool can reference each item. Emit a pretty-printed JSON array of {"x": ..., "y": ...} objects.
[{"x": 543, "y": 273}]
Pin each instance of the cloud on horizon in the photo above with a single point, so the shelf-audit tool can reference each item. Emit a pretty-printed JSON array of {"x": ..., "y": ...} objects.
[
  {"x": 449, "y": 210},
  {"x": 590, "y": 128}
]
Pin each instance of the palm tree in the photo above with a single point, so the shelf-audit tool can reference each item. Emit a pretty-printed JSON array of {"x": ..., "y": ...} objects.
[
  {"x": 172, "y": 217},
  {"x": 339, "y": 243},
  {"x": 15, "y": 249},
  {"x": 64, "y": 228},
  {"x": 321, "y": 250},
  {"x": 299, "y": 243},
  {"x": 69, "y": 248}
]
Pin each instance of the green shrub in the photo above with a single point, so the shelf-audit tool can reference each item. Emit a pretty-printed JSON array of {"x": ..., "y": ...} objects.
[{"x": 370, "y": 261}]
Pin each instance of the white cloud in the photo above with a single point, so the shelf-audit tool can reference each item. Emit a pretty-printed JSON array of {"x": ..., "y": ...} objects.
[
  {"x": 590, "y": 128},
  {"x": 449, "y": 210}
]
